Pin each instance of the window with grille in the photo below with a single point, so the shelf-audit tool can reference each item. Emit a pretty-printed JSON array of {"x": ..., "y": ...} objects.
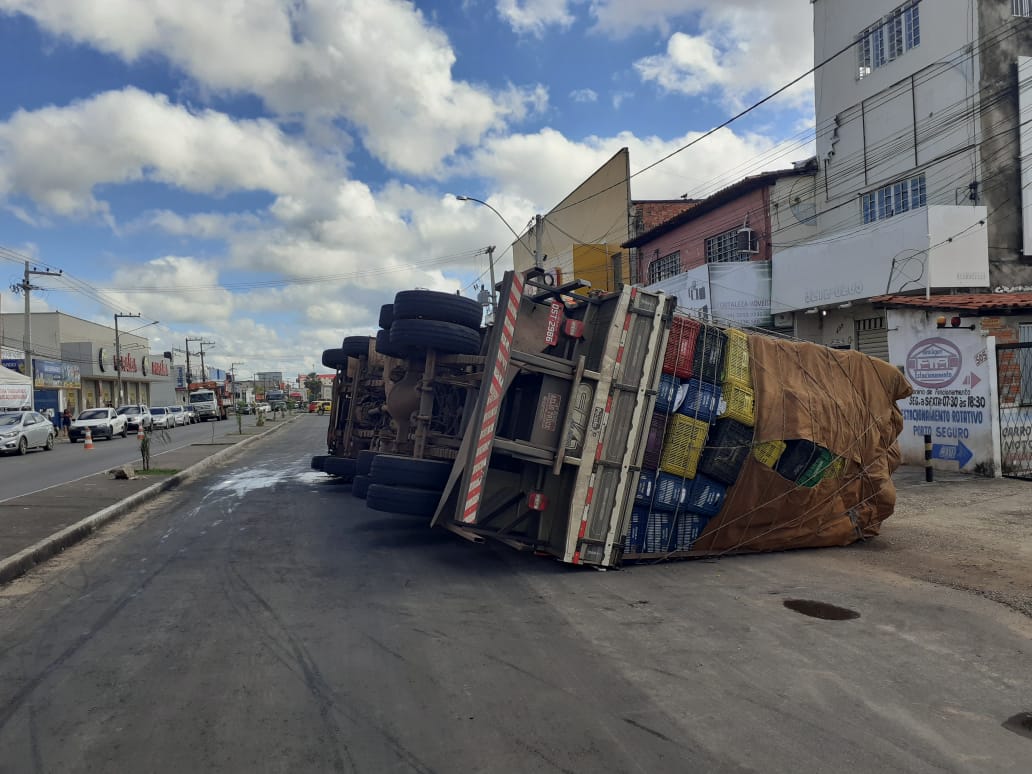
[
  {"x": 1021, "y": 7},
  {"x": 725, "y": 247},
  {"x": 891, "y": 36},
  {"x": 893, "y": 199},
  {"x": 667, "y": 266}
]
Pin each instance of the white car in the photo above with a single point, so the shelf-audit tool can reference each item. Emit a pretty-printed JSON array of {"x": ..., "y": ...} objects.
[
  {"x": 262, "y": 408},
  {"x": 162, "y": 417},
  {"x": 180, "y": 415},
  {"x": 22, "y": 430},
  {"x": 102, "y": 422}
]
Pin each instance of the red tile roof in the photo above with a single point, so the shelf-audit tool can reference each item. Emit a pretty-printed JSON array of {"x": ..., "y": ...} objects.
[{"x": 962, "y": 302}]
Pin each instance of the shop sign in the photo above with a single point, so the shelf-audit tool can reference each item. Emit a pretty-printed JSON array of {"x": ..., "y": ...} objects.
[
  {"x": 158, "y": 367},
  {"x": 102, "y": 359},
  {"x": 56, "y": 375},
  {"x": 128, "y": 364}
]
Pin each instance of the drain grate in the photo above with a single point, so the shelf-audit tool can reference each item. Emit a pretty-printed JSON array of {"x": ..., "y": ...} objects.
[
  {"x": 1020, "y": 724},
  {"x": 822, "y": 610}
]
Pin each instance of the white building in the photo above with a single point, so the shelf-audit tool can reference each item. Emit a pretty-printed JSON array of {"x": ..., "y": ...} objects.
[{"x": 919, "y": 189}]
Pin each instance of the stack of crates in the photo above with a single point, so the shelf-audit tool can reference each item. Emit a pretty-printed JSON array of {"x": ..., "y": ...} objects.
[
  {"x": 729, "y": 444},
  {"x": 680, "y": 350},
  {"x": 701, "y": 400},
  {"x": 738, "y": 397}
]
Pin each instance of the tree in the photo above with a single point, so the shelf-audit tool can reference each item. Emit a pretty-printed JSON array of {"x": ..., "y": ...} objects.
[{"x": 314, "y": 386}]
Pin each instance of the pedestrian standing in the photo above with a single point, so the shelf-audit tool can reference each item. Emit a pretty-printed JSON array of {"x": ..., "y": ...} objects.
[{"x": 66, "y": 421}]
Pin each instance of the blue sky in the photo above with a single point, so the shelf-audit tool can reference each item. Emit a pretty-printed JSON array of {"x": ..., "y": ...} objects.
[{"x": 267, "y": 173}]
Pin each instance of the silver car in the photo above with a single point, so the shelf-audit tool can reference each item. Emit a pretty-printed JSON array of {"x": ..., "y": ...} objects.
[
  {"x": 162, "y": 416},
  {"x": 24, "y": 430},
  {"x": 180, "y": 415}
]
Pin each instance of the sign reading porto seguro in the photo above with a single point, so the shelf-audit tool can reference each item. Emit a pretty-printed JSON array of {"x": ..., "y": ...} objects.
[{"x": 950, "y": 399}]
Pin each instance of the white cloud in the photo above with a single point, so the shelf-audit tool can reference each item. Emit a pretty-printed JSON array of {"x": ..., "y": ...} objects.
[
  {"x": 173, "y": 289},
  {"x": 379, "y": 66},
  {"x": 743, "y": 49},
  {"x": 534, "y": 17},
  {"x": 57, "y": 155},
  {"x": 584, "y": 95}
]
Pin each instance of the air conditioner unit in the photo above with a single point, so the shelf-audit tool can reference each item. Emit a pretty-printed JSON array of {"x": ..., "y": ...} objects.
[{"x": 748, "y": 242}]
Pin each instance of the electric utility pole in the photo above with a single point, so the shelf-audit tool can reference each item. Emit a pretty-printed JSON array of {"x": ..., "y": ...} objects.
[
  {"x": 118, "y": 356},
  {"x": 204, "y": 371},
  {"x": 26, "y": 287},
  {"x": 189, "y": 372}
]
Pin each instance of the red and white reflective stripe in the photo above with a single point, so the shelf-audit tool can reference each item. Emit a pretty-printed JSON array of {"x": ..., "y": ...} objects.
[
  {"x": 602, "y": 431},
  {"x": 485, "y": 436}
]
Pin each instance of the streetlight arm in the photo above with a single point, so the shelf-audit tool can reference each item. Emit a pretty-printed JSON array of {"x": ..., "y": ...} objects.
[{"x": 496, "y": 212}]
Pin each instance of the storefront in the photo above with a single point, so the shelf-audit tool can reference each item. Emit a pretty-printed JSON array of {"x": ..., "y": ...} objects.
[{"x": 140, "y": 377}]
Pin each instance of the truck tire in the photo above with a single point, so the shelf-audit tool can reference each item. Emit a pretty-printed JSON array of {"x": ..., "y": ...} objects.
[
  {"x": 384, "y": 346},
  {"x": 386, "y": 316},
  {"x": 334, "y": 358},
  {"x": 395, "y": 470},
  {"x": 446, "y": 337},
  {"x": 434, "y": 305},
  {"x": 363, "y": 461},
  {"x": 339, "y": 466},
  {"x": 360, "y": 487},
  {"x": 318, "y": 460},
  {"x": 402, "y": 499},
  {"x": 355, "y": 346}
]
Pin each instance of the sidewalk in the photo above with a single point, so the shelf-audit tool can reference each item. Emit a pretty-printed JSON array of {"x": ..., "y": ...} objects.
[{"x": 39, "y": 525}]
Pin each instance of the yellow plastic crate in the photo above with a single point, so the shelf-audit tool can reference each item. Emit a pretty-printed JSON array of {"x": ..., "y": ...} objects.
[
  {"x": 769, "y": 452},
  {"x": 736, "y": 359},
  {"x": 738, "y": 403},
  {"x": 683, "y": 445}
]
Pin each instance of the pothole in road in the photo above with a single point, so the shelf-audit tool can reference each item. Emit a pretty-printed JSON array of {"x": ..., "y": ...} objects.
[
  {"x": 1020, "y": 724},
  {"x": 823, "y": 610}
]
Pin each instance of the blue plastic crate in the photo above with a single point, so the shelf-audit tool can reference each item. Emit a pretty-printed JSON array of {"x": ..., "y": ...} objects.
[
  {"x": 646, "y": 487},
  {"x": 704, "y": 496},
  {"x": 701, "y": 400},
  {"x": 634, "y": 540},
  {"x": 659, "y": 533},
  {"x": 667, "y": 394},
  {"x": 689, "y": 527},
  {"x": 670, "y": 492}
]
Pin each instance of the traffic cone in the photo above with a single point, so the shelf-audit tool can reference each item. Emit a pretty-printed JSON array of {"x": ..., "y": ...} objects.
[
  {"x": 88, "y": 440},
  {"x": 139, "y": 433}
]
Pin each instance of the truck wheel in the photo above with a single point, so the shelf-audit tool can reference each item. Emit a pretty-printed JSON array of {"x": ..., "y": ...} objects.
[
  {"x": 363, "y": 462},
  {"x": 445, "y": 337},
  {"x": 395, "y": 470},
  {"x": 318, "y": 460},
  {"x": 384, "y": 346},
  {"x": 334, "y": 358},
  {"x": 434, "y": 305},
  {"x": 355, "y": 346},
  {"x": 339, "y": 466},
  {"x": 402, "y": 499},
  {"x": 360, "y": 487},
  {"x": 386, "y": 316}
]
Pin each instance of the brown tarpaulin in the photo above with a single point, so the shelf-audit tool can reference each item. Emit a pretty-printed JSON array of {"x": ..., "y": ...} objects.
[{"x": 842, "y": 400}]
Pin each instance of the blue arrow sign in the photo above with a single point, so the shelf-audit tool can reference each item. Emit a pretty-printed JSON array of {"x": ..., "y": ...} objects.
[{"x": 960, "y": 453}]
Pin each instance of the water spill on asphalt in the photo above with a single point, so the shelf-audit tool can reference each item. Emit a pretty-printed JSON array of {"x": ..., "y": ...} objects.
[
  {"x": 822, "y": 610},
  {"x": 247, "y": 481}
]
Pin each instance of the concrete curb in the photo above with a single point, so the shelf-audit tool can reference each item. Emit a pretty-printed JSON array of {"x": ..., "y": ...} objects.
[{"x": 20, "y": 563}]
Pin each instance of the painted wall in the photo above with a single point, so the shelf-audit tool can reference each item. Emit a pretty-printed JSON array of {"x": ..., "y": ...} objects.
[
  {"x": 690, "y": 238},
  {"x": 950, "y": 372},
  {"x": 916, "y": 114},
  {"x": 598, "y": 211}
]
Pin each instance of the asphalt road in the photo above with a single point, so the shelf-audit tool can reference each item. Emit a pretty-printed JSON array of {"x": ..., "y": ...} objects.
[
  {"x": 71, "y": 461},
  {"x": 261, "y": 619}
]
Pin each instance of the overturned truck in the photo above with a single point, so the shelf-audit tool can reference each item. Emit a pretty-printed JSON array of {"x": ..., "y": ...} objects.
[{"x": 602, "y": 428}]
